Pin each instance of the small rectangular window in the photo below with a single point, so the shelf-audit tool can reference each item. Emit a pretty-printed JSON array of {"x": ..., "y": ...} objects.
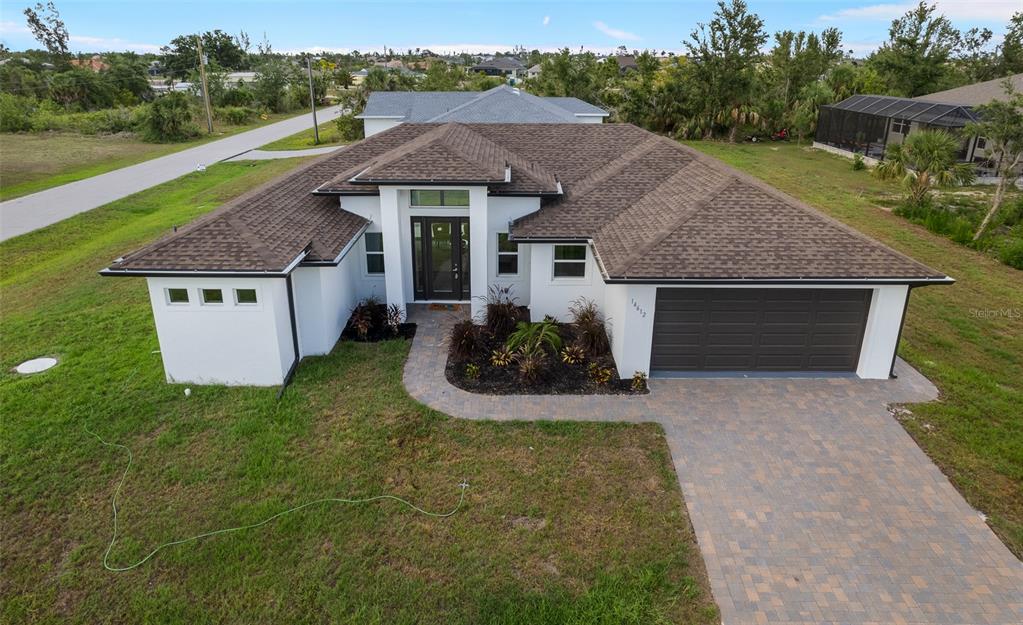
[
  {"x": 374, "y": 252},
  {"x": 431, "y": 197},
  {"x": 212, "y": 296},
  {"x": 507, "y": 256},
  {"x": 901, "y": 126},
  {"x": 177, "y": 296},
  {"x": 245, "y": 296},
  {"x": 569, "y": 261}
]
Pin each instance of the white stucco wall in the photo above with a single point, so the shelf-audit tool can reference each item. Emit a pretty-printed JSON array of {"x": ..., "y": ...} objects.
[
  {"x": 371, "y": 127},
  {"x": 630, "y": 317},
  {"x": 324, "y": 299},
  {"x": 226, "y": 343},
  {"x": 552, "y": 296},
  {"x": 501, "y": 212},
  {"x": 589, "y": 119}
]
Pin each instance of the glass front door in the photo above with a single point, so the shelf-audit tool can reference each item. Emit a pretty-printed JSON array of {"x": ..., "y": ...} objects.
[{"x": 440, "y": 257}]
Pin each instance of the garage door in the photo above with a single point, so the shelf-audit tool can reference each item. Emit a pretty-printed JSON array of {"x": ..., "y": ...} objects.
[{"x": 758, "y": 329}]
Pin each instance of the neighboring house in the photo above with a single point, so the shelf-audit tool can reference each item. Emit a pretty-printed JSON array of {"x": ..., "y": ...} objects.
[
  {"x": 94, "y": 63},
  {"x": 626, "y": 63},
  {"x": 533, "y": 72},
  {"x": 507, "y": 66},
  {"x": 698, "y": 268},
  {"x": 359, "y": 76},
  {"x": 502, "y": 104},
  {"x": 868, "y": 124},
  {"x": 235, "y": 79}
]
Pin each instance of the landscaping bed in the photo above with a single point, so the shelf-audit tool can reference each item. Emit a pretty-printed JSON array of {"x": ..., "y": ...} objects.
[
  {"x": 372, "y": 321},
  {"x": 508, "y": 355}
]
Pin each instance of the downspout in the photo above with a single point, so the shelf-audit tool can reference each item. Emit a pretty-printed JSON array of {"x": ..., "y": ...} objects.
[
  {"x": 898, "y": 337},
  {"x": 294, "y": 337}
]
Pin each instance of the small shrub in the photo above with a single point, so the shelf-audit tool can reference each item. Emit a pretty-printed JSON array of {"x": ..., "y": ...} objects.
[
  {"x": 532, "y": 365},
  {"x": 502, "y": 357},
  {"x": 501, "y": 311},
  {"x": 235, "y": 115},
  {"x": 349, "y": 128},
  {"x": 239, "y": 96},
  {"x": 395, "y": 317},
  {"x": 16, "y": 112},
  {"x": 362, "y": 321},
  {"x": 534, "y": 337},
  {"x": 472, "y": 371},
  {"x": 858, "y": 163},
  {"x": 573, "y": 355},
  {"x": 589, "y": 321},
  {"x": 638, "y": 382},
  {"x": 599, "y": 375},
  {"x": 465, "y": 340},
  {"x": 1012, "y": 254}
]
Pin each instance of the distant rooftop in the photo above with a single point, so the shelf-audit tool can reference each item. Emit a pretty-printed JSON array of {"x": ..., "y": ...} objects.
[
  {"x": 922, "y": 111},
  {"x": 502, "y": 104},
  {"x": 975, "y": 94},
  {"x": 503, "y": 63}
]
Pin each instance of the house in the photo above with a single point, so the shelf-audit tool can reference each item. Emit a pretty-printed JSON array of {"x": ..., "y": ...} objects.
[
  {"x": 533, "y": 72},
  {"x": 507, "y": 66},
  {"x": 359, "y": 76},
  {"x": 626, "y": 63},
  {"x": 502, "y": 104},
  {"x": 868, "y": 124},
  {"x": 95, "y": 63},
  {"x": 698, "y": 268}
]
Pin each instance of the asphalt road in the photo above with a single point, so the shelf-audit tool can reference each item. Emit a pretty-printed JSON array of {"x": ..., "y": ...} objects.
[{"x": 31, "y": 212}]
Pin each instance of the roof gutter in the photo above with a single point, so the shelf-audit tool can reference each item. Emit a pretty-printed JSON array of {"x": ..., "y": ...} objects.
[
  {"x": 184, "y": 273},
  {"x": 783, "y": 280}
]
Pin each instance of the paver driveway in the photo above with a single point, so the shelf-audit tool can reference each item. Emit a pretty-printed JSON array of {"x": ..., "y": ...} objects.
[{"x": 810, "y": 502}]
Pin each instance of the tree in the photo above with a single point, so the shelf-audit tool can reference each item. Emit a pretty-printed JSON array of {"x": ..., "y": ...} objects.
[
  {"x": 915, "y": 59},
  {"x": 724, "y": 54},
  {"x": 975, "y": 60},
  {"x": 1001, "y": 125},
  {"x": 222, "y": 50},
  {"x": 127, "y": 76},
  {"x": 799, "y": 59},
  {"x": 806, "y": 109},
  {"x": 169, "y": 118},
  {"x": 48, "y": 29},
  {"x": 926, "y": 158},
  {"x": 271, "y": 85},
  {"x": 1010, "y": 53},
  {"x": 441, "y": 77}
]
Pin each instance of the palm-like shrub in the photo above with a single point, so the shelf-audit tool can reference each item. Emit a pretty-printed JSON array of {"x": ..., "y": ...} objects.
[
  {"x": 465, "y": 340},
  {"x": 590, "y": 324},
  {"x": 532, "y": 338},
  {"x": 501, "y": 311},
  {"x": 926, "y": 159}
]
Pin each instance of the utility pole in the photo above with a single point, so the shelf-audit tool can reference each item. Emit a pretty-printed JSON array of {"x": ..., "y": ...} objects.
[
  {"x": 205, "y": 86},
  {"x": 312, "y": 99}
]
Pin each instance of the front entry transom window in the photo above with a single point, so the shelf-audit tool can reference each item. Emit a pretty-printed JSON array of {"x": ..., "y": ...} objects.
[{"x": 439, "y": 197}]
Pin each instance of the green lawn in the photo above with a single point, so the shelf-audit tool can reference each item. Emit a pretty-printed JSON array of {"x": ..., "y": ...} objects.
[
  {"x": 967, "y": 338},
  {"x": 31, "y": 162},
  {"x": 300, "y": 140},
  {"x": 563, "y": 522}
]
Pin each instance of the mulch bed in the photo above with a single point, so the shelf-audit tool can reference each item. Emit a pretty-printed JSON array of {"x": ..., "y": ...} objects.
[
  {"x": 379, "y": 330},
  {"x": 559, "y": 378}
]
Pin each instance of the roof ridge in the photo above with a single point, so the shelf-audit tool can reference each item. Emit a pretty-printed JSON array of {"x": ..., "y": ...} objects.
[
  {"x": 686, "y": 215},
  {"x": 612, "y": 167},
  {"x": 482, "y": 95}
]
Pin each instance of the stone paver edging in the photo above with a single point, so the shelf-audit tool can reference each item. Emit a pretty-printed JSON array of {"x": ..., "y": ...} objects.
[{"x": 810, "y": 503}]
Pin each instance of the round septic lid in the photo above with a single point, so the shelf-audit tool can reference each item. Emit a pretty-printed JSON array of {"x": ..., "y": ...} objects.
[{"x": 36, "y": 365}]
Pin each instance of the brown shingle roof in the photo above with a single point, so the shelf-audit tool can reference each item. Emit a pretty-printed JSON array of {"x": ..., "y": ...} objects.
[{"x": 653, "y": 208}]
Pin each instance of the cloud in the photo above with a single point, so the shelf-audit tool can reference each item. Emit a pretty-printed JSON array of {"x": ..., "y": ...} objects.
[
  {"x": 982, "y": 10},
  {"x": 8, "y": 27},
  {"x": 546, "y": 19},
  {"x": 615, "y": 33},
  {"x": 113, "y": 44}
]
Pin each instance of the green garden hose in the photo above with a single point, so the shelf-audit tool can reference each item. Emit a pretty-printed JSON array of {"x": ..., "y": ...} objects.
[{"x": 117, "y": 492}]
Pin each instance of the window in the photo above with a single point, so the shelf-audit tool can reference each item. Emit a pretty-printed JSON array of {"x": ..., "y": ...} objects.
[
  {"x": 569, "y": 261},
  {"x": 212, "y": 296},
  {"x": 901, "y": 126},
  {"x": 422, "y": 197},
  {"x": 507, "y": 256},
  {"x": 177, "y": 296},
  {"x": 374, "y": 252},
  {"x": 245, "y": 296},
  {"x": 981, "y": 143}
]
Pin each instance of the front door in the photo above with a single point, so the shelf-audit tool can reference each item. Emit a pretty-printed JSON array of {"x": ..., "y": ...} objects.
[{"x": 440, "y": 258}]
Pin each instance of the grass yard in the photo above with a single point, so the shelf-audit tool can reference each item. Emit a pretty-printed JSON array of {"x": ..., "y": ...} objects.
[
  {"x": 967, "y": 338},
  {"x": 329, "y": 135},
  {"x": 563, "y": 522},
  {"x": 31, "y": 162}
]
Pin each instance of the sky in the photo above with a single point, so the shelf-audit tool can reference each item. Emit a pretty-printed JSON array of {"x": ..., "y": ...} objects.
[{"x": 456, "y": 26}]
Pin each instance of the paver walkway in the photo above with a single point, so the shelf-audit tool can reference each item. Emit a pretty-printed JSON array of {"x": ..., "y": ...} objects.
[{"x": 811, "y": 504}]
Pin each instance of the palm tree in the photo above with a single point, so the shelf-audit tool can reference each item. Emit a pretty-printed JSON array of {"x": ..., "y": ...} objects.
[{"x": 926, "y": 158}]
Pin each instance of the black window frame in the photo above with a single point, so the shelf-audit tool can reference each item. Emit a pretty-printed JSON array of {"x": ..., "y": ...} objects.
[
  {"x": 375, "y": 253},
  {"x": 507, "y": 254},
  {"x": 569, "y": 262},
  {"x": 443, "y": 194}
]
